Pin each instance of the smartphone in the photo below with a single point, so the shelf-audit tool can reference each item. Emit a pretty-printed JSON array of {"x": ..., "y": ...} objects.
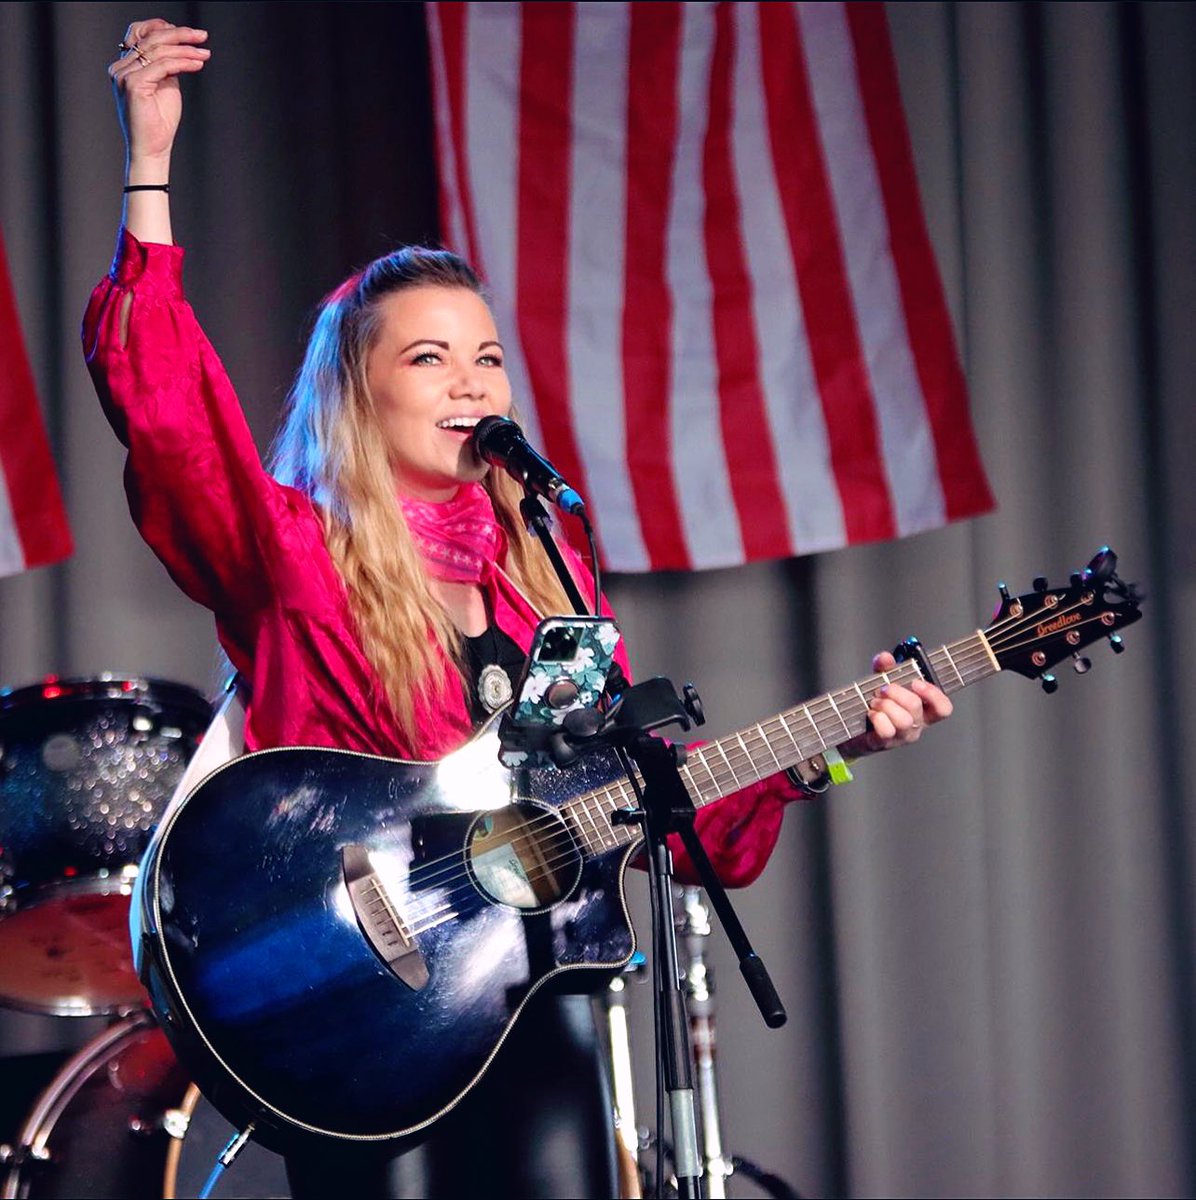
[{"x": 567, "y": 669}]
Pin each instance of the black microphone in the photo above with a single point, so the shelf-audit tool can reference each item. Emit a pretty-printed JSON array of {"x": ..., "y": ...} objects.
[{"x": 500, "y": 442}]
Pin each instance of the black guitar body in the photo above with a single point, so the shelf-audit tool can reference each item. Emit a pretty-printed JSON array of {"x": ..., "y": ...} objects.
[{"x": 338, "y": 944}]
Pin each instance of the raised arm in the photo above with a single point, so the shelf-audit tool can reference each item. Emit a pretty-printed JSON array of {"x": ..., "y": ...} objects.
[
  {"x": 198, "y": 492},
  {"x": 149, "y": 103}
]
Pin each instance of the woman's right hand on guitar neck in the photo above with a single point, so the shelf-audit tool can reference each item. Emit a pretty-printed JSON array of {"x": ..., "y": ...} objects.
[{"x": 149, "y": 104}]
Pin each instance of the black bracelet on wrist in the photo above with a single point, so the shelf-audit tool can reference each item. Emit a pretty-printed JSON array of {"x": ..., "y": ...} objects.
[{"x": 146, "y": 187}]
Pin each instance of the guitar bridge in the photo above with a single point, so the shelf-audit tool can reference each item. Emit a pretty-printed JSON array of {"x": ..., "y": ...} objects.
[{"x": 383, "y": 927}]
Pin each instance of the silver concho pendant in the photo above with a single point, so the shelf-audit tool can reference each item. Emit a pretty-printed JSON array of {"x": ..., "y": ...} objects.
[{"x": 494, "y": 687}]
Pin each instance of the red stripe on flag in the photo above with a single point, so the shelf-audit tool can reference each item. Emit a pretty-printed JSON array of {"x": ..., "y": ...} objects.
[
  {"x": 453, "y": 19},
  {"x": 542, "y": 252},
  {"x": 654, "y": 48},
  {"x": 28, "y": 465},
  {"x": 965, "y": 488},
  {"x": 751, "y": 459},
  {"x": 815, "y": 243}
]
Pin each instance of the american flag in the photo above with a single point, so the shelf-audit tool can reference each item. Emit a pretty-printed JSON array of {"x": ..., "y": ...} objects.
[
  {"x": 702, "y": 233},
  {"x": 33, "y": 524}
]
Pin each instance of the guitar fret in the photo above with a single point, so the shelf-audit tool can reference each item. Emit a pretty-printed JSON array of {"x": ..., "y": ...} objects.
[
  {"x": 768, "y": 747},
  {"x": 838, "y": 714},
  {"x": 580, "y": 808},
  {"x": 748, "y": 754},
  {"x": 804, "y": 709},
  {"x": 730, "y": 769},
  {"x": 691, "y": 785},
  {"x": 702, "y": 758},
  {"x": 951, "y": 662},
  {"x": 599, "y": 833},
  {"x": 789, "y": 733}
]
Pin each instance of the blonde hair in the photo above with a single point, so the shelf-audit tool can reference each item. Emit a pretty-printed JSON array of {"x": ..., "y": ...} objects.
[{"x": 331, "y": 446}]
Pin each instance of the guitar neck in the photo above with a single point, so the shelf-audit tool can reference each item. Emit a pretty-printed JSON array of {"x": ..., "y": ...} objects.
[
  {"x": 730, "y": 763},
  {"x": 721, "y": 767}
]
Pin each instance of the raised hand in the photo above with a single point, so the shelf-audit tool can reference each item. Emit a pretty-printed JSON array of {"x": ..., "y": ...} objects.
[
  {"x": 898, "y": 714},
  {"x": 146, "y": 81}
]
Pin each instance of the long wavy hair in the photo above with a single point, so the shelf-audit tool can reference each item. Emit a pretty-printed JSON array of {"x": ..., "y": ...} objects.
[{"x": 331, "y": 446}]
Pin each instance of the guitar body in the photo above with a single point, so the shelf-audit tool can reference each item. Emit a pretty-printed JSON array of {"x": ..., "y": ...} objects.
[{"x": 338, "y": 943}]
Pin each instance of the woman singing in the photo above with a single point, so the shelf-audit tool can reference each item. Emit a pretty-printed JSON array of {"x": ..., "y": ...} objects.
[{"x": 364, "y": 581}]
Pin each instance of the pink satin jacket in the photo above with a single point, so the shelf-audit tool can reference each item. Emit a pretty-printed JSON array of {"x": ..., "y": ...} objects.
[{"x": 240, "y": 543}]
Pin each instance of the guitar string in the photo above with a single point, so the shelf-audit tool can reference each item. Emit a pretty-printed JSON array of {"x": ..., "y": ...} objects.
[
  {"x": 563, "y": 848},
  {"x": 740, "y": 759},
  {"x": 963, "y": 659}
]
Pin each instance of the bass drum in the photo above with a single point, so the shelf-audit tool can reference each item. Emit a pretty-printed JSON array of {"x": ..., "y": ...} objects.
[
  {"x": 122, "y": 1120},
  {"x": 87, "y": 767}
]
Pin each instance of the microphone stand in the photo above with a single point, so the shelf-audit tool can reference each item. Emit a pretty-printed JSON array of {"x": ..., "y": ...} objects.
[{"x": 665, "y": 807}]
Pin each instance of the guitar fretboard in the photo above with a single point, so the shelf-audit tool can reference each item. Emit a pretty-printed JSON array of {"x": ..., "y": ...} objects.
[{"x": 723, "y": 766}]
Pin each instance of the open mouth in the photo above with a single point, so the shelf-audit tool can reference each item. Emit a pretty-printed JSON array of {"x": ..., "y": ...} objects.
[{"x": 462, "y": 425}]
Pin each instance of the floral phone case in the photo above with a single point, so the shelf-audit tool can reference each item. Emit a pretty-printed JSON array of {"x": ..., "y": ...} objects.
[{"x": 567, "y": 668}]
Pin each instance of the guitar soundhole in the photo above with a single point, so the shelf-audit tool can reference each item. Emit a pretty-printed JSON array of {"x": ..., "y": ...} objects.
[{"x": 523, "y": 856}]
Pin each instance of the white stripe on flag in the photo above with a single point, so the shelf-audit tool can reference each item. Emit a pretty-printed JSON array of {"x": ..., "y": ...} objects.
[
  {"x": 787, "y": 374},
  {"x": 596, "y": 275},
  {"x": 454, "y": 235},
  {"x": 906, "y": 437},
  {"x": 12, "y": 556},
  {"x": 707, "y": 506},
  {"x": 493, "y": 41}
]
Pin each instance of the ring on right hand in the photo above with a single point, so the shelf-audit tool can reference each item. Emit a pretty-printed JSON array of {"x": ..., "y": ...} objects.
[{"x": 133, "y": 48}]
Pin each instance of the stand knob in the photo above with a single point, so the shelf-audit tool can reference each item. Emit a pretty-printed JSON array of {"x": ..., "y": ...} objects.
[
  {"x": 693, "y": 704},
  {"x": 1050, "y": 684},
  {"x": 1117, "y": 644}
]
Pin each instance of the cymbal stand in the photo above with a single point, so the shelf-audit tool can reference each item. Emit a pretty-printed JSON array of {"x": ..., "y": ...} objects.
[{"x": 693, "y": 924}]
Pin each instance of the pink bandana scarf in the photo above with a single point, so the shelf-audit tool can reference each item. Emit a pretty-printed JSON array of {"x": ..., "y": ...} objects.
[{"x": 460, "y": 539}]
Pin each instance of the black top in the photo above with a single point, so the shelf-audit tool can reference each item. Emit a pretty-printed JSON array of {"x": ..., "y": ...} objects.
[{"x": 491, "y": 647}]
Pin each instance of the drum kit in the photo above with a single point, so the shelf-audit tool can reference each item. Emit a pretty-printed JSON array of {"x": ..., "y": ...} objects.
[{"x": 87, "y": 767}]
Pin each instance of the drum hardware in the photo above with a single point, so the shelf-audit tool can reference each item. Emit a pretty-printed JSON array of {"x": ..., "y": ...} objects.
[
  {"x": 693, "y": 924},
  {"x": 692, "y": 920},
  {"x": 627, "y": 1135},
  {"x": 121, "y": 1118}
]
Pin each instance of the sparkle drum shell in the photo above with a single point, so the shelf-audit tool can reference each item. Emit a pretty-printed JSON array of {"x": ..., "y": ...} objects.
[{"x": 86, "y": 769}]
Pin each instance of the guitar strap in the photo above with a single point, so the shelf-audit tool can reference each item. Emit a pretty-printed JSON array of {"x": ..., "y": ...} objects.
[{"x": 223, "y": 741}]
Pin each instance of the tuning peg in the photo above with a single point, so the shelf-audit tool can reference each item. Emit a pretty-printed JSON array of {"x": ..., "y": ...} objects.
[
  {"x": 1103, "y": 565},
  {"x": 1040, "y": 583},
  {"x": 1077, "y": 579},
  {"x": 1082, "y": 664},
  {"x": 1117, "y": 644},
  {"x": 1050, "y": 684},
  {"x": 1004, "y": 590}
]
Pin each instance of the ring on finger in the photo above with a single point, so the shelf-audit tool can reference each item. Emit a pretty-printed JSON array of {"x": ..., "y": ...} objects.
[{"x": 133, "y": 48}]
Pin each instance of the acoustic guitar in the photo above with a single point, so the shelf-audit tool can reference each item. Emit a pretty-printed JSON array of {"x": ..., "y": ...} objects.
[{"x": 337, "y": 944}]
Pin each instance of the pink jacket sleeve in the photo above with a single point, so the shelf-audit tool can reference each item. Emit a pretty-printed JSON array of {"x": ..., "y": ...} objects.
[
  {"x": 739, "y": 832},
  {"x": 197, "y": 489}
]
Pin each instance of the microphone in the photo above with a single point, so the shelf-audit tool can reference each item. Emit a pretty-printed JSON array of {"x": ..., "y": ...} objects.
[{"x": 500, "y": 442}]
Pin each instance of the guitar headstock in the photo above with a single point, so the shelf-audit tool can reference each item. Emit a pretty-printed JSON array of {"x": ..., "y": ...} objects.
[{"x": 1032, "y": 633}]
